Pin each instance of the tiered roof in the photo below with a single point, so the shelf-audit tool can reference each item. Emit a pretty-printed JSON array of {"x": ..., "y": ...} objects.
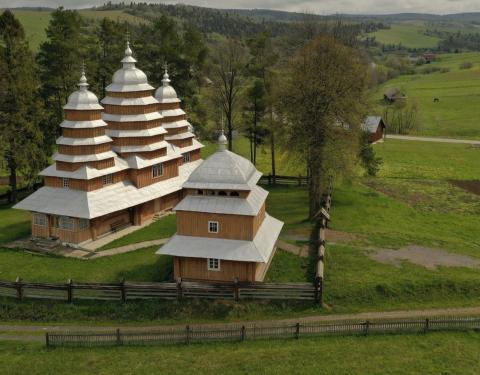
[
  {"x": 133, "y": 117},
  {"x": 180, "y": 131},
  {"x": 83, "y": 142},
  {"x": 222, "y": 171},
  {"x": 127, "y": 135}
]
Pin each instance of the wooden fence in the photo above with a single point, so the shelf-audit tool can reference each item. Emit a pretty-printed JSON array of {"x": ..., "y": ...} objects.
[
  {"x": 284, "y": 180},
  {"x": 235, "y": 333},
  {"x": 235, "y": 290},
  {"x": 319, "y": 238},
  {"x": 126, "y": 291}
]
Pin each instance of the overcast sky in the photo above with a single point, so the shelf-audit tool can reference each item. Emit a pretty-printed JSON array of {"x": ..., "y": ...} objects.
[{"x": 317, "y": 6}]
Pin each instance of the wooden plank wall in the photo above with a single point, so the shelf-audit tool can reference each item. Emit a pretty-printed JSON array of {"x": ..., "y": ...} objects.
[
  {"x": 234, "y": 227},
  {"x": 197, "y": 269}
]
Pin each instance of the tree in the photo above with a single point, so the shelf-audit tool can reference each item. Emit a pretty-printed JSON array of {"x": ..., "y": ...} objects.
[
  {"x": 255, "y": 109},
  {"x": 60, "y": 59},
  {"x": 322, "y": 103},
  {"x": 229, "y": 61},
  {"x": 369, "y": 161},
  {"x": 263, "y": 59},
  {"x": 20, "y": 110},
  {"x": 112, "y": 38}
]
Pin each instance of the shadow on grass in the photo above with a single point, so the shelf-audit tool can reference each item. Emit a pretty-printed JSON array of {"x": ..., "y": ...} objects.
[{"x": 160, "y": 270}]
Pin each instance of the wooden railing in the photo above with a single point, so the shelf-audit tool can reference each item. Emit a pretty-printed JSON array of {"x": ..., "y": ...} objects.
[
  {"x": 235, "y": 333},
  {"x": 126, "y": 291},
  {"x": 284, "y": 180}
]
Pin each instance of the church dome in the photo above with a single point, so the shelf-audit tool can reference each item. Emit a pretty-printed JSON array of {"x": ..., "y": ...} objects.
[
  {"x": 224, "y": 170},
  {"x": 166, "y": 93},
  {"x": 82, "y": 99},
  {"x": 129, "y": 77}
]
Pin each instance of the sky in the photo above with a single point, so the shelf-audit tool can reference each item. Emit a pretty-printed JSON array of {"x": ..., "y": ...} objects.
[{"x": 312, "y": 6}]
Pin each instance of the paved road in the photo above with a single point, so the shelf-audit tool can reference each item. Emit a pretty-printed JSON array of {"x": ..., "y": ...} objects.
[
  {"x": 432, "y": 139},
  {"x": 34, "y": 333}
]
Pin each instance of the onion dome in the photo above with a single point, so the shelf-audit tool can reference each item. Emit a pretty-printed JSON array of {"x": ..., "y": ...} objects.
[
  {"x": 224, "y": 170},
  {"x": 166, "y": 93},
  {"x": 82, "y": 99},
  {"x": 129, "y": 78}
]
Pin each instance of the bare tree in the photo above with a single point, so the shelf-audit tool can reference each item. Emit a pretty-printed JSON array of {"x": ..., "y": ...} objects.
[{"x": 229, "y": 61}]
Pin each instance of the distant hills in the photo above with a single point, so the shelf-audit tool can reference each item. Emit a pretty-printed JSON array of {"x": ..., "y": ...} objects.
[{"x": 260, "y": 14}]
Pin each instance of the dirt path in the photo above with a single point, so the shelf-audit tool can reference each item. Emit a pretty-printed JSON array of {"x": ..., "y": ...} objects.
[
  {"x": 432, "y": 139},
  {"x": 34, "y": 333}
]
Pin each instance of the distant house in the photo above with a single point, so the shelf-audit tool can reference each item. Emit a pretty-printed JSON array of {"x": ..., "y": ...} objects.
[
  {"x": 429, "y": 57},
  {"x": 375, "y": 127},
  {"x": 393, "y": 95}
]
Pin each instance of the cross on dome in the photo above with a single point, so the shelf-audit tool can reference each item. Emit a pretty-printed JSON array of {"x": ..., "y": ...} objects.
[
  {"x": 166, "y": 79},
  {"x": 83, "y": 84},
  {"x": 222, "y": 141}
]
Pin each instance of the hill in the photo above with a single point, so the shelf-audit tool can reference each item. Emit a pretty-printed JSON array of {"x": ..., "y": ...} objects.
[{"x": 458, "y": 90}]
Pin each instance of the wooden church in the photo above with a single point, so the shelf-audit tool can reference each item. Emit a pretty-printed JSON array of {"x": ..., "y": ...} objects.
[
  {"x": 118, "y": 163},
  {"x": 223, "y": 231}
]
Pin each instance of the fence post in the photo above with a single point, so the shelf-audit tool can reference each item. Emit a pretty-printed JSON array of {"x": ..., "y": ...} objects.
[
  {"x": 179, "y": 288},
  {"x": 366, "y": 327},
  {"x": 187, "y": 334},
  {"x": 269, "y": 179},
  {"x": 299, "y": 180},
  {"x": 236, "y": 292},
  {"x": 318, "y": 283},
  {"x": 119, "y": 339},
  {"x": 19, "y": 286},
  {"x": 69, "y": 291},
  {"x": 123, "y": 291},
  {"x": 242, "y": 333},
  {"x": 47, "y": 339},
  {"x": 297, "y": 331},
  {"x": 427, "y": 325}
]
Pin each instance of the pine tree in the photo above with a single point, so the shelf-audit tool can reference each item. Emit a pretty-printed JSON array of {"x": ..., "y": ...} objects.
[
  {"x": 60, "y": 59},
  {"x": 112, "y": 37},
  {"x": 21, "y": 141}
]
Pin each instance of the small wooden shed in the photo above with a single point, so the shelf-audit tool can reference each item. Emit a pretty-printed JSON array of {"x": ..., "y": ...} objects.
[{"x": 376, "y": 128}]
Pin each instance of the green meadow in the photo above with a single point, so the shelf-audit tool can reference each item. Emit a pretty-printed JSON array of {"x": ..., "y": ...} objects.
[
  {"x": 434, "y": 353},
  {"x": 408, "y": 34},
  {"x": 412, "y": 202},
  {"x": 34, "y": 23},
  {"x": 457, "y": 113}
]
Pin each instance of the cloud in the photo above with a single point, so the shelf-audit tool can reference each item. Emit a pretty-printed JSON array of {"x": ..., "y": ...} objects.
[{"x": 315, "y": 6}]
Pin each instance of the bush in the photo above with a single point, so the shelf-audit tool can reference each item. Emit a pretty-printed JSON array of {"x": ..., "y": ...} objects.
[
  {"x": 466, "y": 65},
  {"x": 434, "y": 69}
]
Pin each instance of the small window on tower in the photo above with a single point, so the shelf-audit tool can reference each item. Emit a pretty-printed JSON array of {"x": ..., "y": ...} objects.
[
  {"x": 66, "y": 183},
  {"x": 234, "y": 194},
  {"x": 213, "y": 264},
  {"x": 186, "y": 157},
  {"x": 107, "y": 179},
  {"x": 157, "y": 170},
  {"x": 221, "y": 192},
  {"x": 213, "y": 227},
  {"x": 200, "y": 192}
]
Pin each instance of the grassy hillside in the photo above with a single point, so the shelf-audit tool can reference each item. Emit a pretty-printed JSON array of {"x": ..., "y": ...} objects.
[
  {"x": 409, "y": 34},
  {"x": 457, "y": 113},
  {"x": 34, "y": 23},
  {"x": 435, "y": 353}
]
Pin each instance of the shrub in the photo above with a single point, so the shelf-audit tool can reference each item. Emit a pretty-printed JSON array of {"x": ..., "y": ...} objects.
[{"x": 466, "y": 65}]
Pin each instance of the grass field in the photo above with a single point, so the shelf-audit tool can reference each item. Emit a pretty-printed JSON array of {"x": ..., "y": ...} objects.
[
  {"x": 435, "y": 353},
  {"x": 35, "y": 21},
  {"x": 409, "y": 34},
  {"x": 457, "y": 113},
  {"x": 411, "y": 202}
]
